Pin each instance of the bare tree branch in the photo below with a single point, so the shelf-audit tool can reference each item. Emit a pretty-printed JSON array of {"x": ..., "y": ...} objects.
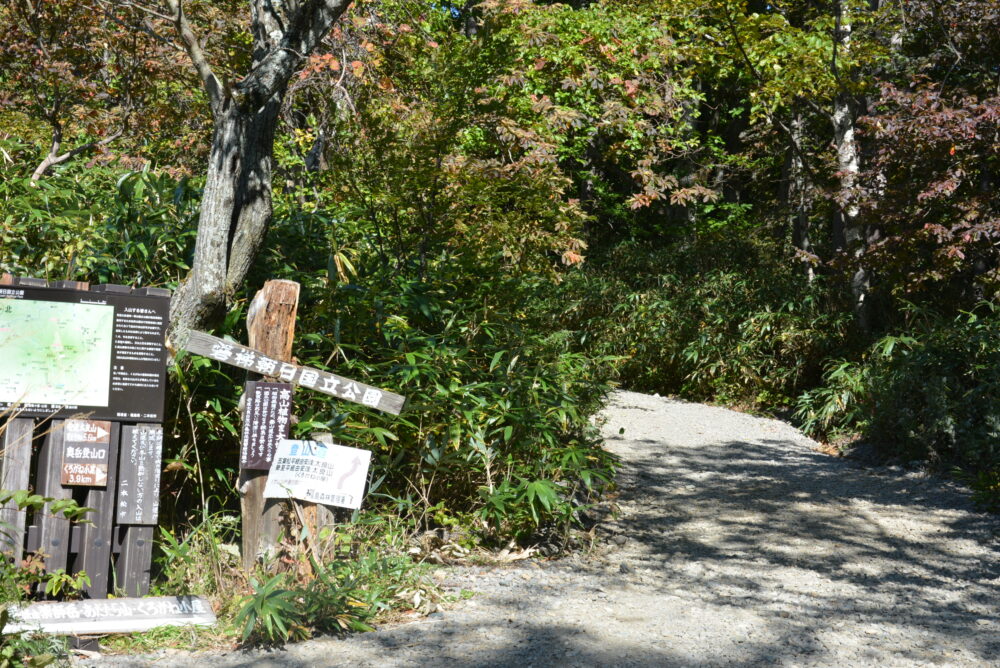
[{"x": 214, "y": 88}]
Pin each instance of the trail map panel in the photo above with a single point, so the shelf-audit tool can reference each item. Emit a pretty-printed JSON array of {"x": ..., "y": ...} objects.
[
  {"x": 55, "y": 352},
  {"x": 75, "y": 352}
]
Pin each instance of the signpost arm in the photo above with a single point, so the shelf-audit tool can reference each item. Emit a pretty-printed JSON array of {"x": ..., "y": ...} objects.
[{"x": 271, "y": 329}]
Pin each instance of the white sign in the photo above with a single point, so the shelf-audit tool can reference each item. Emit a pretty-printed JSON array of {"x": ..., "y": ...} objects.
[
  {"x": 311, "y": 471},
  {"x": 117, "y": 615}
]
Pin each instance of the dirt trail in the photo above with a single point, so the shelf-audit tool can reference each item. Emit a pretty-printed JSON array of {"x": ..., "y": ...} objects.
[{"x": 737, "y": 543}]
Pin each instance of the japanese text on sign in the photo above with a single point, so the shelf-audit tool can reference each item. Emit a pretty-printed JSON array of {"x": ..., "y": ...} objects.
[
  {"x": 331, "y": 474},
  {"x": 314, "y": 379},
  {"x": 139, "y": 475},
  {"x": 266, "y": 421}
]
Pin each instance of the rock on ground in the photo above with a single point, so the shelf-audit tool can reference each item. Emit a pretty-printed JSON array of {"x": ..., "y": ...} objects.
[{"x": 735, "y": 543}]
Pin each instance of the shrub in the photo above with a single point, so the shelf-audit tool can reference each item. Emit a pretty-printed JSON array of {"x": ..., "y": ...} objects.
[{"x": 939, "y": 399}]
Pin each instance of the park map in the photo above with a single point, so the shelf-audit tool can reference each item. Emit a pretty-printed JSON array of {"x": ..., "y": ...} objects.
[{"x": 55, "y": 353}]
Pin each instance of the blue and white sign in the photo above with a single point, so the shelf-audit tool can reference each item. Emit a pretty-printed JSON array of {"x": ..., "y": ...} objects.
[{"x": 333, "y": 475}]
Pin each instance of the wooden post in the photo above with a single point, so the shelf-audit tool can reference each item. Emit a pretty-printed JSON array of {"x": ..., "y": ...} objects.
[
  {"x": 271, "y": 329},
  {"x": 318, "y": 516},
  {"x": 16, "y": 470},
  {"x": 94, "y": 555},
  {"x": 53, "y": 531}
]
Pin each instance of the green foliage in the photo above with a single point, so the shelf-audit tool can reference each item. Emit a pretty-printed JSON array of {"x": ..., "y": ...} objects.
[
  {"x": 714, "y": 317},
  {"x": 267, "y": 613},
  {"x": 100, "y": 224},
  {"x": 939, "y": 399},
  {"x": 339, "y": 597},
  {"x": 25, "y": 650},
  {"x": 490, "y": 400},
  {"x": 19, "y": 581}
]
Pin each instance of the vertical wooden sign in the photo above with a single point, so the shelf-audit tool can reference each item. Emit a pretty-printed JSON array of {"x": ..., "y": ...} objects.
[
  {"x": 139, "y": 475},
  {"x": 16, "y": 462},
  {"x": 267, "y": 413},
  {"x": 138, "y": 505}
]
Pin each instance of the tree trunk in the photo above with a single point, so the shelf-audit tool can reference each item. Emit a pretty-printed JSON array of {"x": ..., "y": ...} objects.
[
  {"x": 848, "y": 233},
  {"x": 236, "y": 203},
  {"x": 235, "y": 214},
  {"x": 799, "y": 199}
]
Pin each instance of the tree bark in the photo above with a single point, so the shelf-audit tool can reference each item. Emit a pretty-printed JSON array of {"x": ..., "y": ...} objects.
[
  {"x": 799, "y": 199},
  {"x": 236, "y": 204},
  {"x": 848, "y": 232}
]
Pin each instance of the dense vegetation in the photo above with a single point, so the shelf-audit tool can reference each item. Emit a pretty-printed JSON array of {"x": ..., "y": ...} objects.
[{"x": 498, "y": 207}]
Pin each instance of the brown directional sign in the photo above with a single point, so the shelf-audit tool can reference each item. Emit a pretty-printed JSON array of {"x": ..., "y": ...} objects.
[
  {"x": 86, "y": 444},
  {"x": 139, "y": 474},
  {"x": 314, "y": 379},
  {"x": 266, "y": 421}
]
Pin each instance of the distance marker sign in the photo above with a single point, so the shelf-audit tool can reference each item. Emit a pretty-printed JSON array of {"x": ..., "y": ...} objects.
[
  {"x": 85, "y": 453},
  {"x": 311, "y": 471}
]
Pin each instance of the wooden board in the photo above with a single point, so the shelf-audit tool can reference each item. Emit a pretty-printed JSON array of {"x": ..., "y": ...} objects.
[
  {"x": 267, "y": 412},
  {"x": 94, "y": 552},
  {"x": 303, "y": 376},
  {"x": 53, "y": 530},
  {"x": 87, "y": 450},
  {"x": 16, "y": 460},
  {"x": 116, "y": 615},
  {"x": 139, "y": 475},
  {"x": 135, "y": 554}
]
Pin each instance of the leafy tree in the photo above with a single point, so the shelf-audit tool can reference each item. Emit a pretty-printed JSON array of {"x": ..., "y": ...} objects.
[{"x": 83, "y": 74}]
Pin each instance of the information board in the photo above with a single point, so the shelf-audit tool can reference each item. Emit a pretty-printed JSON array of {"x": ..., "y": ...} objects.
[
  {"x": 70, "y": 352},
  {"x": 334, "y": 475},
  {"x": 139, "y": 475}
]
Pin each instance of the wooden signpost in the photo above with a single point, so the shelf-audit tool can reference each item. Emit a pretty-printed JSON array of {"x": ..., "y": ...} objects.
[
  {"x": 81, "y": 368},
  {"x": 271, "y": 327}
]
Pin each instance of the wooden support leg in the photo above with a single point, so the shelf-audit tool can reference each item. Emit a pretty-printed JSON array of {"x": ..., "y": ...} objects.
[
  {"x": 94, "y": 555},
  {"x": 133, "y": 564},
  {"x": 53, "y": 531},
  {"x": 16, "y": 461}
]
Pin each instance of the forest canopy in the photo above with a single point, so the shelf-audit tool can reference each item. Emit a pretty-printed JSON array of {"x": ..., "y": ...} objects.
[{"x": 502, "y": 207}]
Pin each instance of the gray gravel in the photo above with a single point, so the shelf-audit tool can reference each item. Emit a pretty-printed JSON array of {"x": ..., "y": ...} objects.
[{"x": 736, "y": 543}]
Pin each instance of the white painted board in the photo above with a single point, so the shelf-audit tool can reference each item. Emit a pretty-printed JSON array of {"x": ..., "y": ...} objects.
[
  {"x": 113, "y": 615},
  {"x": 333, "y": 475}
]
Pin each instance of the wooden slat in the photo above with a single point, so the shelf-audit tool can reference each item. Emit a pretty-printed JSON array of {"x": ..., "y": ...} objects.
[
  {"x": 111, "y": 288},
  {"x": 135, "y": 548},
  {"x": 71, "y": 285},
  {"x": 16, "y": 471},
  {"x": 259, "y": 361},
  {"x": 94, "y": 555},
  {"x": 31, "y": 282},
  {"x": 53, "y": 531}
]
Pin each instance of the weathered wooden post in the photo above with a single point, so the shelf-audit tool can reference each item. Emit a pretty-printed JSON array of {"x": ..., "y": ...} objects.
[
  {"x": 16, "y": 445},
  {"x": 271, "y": 330}
]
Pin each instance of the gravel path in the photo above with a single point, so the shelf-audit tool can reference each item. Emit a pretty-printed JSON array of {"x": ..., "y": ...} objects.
[{"x": 736, "y": 543}]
